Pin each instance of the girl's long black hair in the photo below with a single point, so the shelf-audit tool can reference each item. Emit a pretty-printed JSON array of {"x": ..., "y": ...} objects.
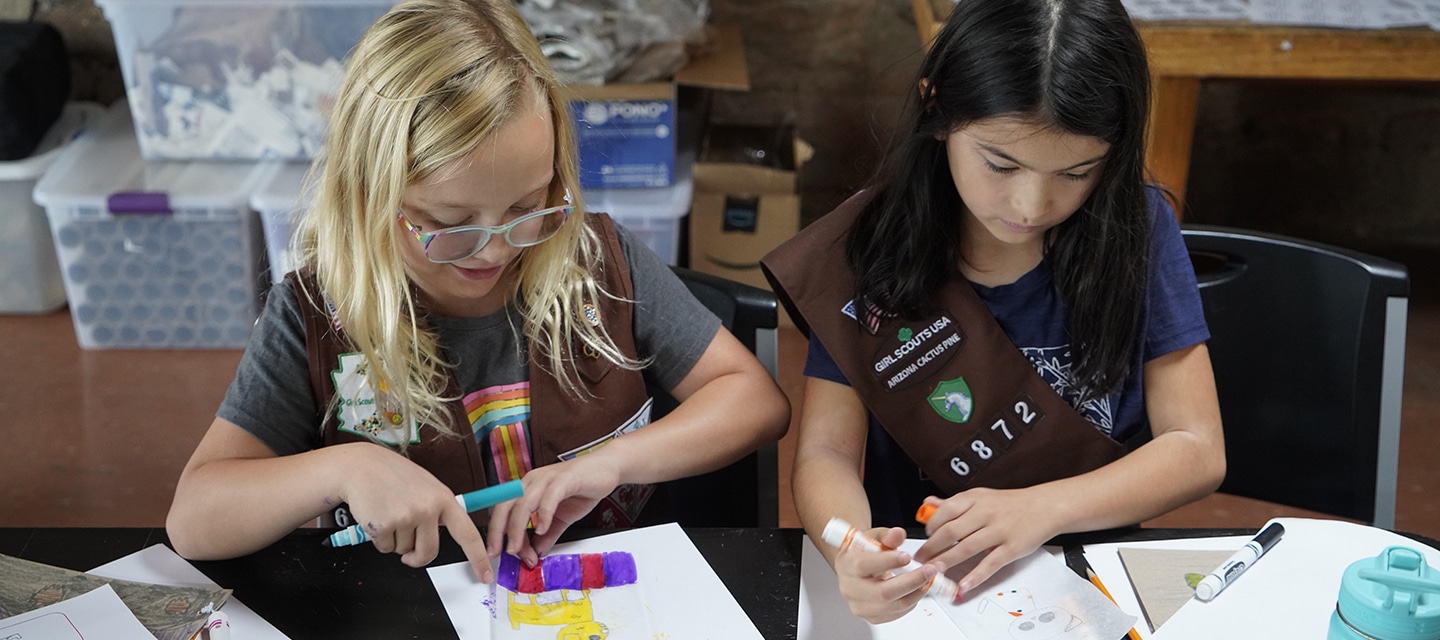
[{"x": 1077, "y": 65}]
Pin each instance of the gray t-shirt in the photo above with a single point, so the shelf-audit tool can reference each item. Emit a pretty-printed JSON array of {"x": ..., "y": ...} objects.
[{"x": 271, "y": 396}]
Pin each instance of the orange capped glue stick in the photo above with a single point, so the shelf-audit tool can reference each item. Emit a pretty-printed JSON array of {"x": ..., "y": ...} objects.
[
  {"x": 840, "y": 534},
  {"x": 923, "y": 514}
]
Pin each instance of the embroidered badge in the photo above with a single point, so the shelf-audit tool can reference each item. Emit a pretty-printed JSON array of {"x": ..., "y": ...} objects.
[
  {"x": 361, "y": 411},
  {"x": 916, "y": 353},
  {"x": 591, "y": 314},
  {"x": 952, "y": 400}
]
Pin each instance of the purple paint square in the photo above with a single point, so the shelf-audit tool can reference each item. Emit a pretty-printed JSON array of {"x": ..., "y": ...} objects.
[
  {"x": 619, "y": 568},
  {"x": 562, "y": 572},
  {"x": 509, "y": 574}
]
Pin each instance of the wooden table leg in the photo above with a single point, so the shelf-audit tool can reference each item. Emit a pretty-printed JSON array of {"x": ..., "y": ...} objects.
[{"x": 1172, "y": 132}]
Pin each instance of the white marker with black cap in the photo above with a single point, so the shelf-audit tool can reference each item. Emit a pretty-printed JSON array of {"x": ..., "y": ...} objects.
[{"x": 1238, "y": 563}]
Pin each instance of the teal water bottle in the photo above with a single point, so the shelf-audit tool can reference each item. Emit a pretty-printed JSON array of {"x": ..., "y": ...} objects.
[{"x": 1392, "y": 596}]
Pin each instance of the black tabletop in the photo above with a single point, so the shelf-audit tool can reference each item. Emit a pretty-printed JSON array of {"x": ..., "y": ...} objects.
[{"x": 310, "y": 591}]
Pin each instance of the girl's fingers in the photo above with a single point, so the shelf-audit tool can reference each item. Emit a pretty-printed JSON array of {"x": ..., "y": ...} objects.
[
  {"x": 382, "y": 537},
  {"x": 427, "y": 545},
  {"x": 495, "y": 529}
]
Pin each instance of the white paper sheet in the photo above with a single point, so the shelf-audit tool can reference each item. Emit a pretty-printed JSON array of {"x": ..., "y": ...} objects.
[
  {"x": 1055, "y": 602},
  {"x": 1105, "y": 560},
  {"x": 157, "y": 564},
  {"x": 678, "y": 591},
  {"x": 1299, "y": 576},
  {"x": 96, "y": 614}
]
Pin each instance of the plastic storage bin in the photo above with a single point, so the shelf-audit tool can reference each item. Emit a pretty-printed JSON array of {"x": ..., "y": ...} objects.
[
  {"x": 153, "y": 254},
  {"x": 651, "y": 215},
  {"x": 29, "y": 271},
  {"x": 278, "y": 202},
  {"x": 234, "y": 79}
]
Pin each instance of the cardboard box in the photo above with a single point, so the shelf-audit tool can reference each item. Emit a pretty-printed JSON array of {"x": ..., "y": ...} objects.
[
  {"x": 626, "y": 132},
  {"x": 746, "y": 202}
]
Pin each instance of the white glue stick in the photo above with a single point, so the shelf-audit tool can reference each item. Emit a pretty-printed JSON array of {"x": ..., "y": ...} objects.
[{"x": 840, "y": 534}]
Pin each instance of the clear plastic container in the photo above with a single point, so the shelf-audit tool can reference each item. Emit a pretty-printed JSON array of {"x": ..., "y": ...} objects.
[
  {"x": 153, "y": 254},
  {"x": 235, "y": 79},
  {"x": 652, "y": 215},
  {"x": 29, "y": 271},
  {"x": 278, "y": 202}
]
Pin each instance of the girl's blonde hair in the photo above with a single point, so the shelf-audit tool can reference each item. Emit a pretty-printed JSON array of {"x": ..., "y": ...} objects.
[{"x": 429, "y": 82}]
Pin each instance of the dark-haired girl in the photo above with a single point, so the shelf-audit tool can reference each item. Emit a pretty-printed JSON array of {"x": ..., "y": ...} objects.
[{"x": 1015, "y": 310}]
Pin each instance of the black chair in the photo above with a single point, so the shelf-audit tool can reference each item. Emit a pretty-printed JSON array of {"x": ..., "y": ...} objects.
[
  {"x": 745, "y": 493},
  {"x": 1308, "y": 347}
]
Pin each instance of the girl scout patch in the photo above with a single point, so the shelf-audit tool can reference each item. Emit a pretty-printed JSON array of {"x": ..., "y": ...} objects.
[
  {"x": 363, "y": 412},
  {"x": 591, "y": 314},
  {"x": 952, "y": 400},
  {"x": 912, "y": 352}
]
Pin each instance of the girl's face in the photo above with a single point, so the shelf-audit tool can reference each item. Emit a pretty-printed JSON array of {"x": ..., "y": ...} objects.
[
  {"x": 505, "y": 177},
  {"x": 1018, "y": 178}
]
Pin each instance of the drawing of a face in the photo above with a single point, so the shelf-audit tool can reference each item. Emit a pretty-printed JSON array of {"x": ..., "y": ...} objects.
[
  {"x": 1026, "y": 620},
  {"x": 1043, "y": 623}
]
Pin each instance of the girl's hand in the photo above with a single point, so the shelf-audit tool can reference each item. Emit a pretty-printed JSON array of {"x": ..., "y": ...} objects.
[
  {"x": 1008, "y": 523},
  {"x": 556, "y": 495},
  {"x": 402, "y": 506},
  {"x": 865, "y": 580}
]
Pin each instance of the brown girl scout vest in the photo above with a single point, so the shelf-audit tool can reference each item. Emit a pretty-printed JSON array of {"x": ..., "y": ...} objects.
[
  {"x": 560, "y": 423},
  {"x": 960, "y": 399}
]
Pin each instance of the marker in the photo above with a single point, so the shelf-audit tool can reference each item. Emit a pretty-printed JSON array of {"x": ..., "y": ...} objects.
[
  {"x": 839, "y": 533},
  {"x": 1226, "y": 573},
  {"x": 473, "y": 501}
]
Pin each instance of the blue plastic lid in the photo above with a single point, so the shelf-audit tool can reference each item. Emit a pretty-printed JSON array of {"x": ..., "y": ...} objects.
[{"x": 1394, "y": 596}]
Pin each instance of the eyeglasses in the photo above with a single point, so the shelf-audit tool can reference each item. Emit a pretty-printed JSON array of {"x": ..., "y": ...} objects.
[{"x": 458, "y": 243}]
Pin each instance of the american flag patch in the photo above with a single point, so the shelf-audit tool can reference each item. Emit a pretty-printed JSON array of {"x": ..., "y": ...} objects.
[
  {"x": 334, "y": 312},
  {"x": 871, "y": 319}
]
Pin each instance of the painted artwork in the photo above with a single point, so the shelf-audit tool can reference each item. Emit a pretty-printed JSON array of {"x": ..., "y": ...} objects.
[
  {"x": 574, "y": 596},
  {"x": 649, "y": 583}
]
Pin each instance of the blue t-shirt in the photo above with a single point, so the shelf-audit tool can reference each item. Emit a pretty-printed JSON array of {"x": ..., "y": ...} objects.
[{"x": 1033, "y": 316}]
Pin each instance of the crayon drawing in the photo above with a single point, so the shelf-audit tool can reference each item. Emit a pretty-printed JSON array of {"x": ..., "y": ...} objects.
[
  {"x": 578, "y": 596},
  {"x": 1037, "y": 598}
]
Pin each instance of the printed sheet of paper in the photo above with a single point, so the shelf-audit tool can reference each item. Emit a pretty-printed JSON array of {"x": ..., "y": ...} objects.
[
  {"x": 1034, "y": 597},
  {"x": 157, "y": 564},
  {"x": 170, "y": 613},
  {"x": 1300, "y": 576},
  {"x": 1165, "y": 579},
  {"x": 93, "y": 615},
  {"x": 643, "y": 584}
]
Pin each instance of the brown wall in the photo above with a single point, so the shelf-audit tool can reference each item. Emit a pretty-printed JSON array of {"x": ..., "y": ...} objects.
[{"x": 1351, "y": 164}]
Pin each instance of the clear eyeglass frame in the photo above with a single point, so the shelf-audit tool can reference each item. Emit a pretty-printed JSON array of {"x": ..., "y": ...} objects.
[{"x": 453, "y": 237}]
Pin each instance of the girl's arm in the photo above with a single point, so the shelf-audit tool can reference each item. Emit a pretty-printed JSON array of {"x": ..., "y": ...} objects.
[
  {"x": 1184, "y": 462},
  {"x": 236, "y": 496},
  {"x": 827, "y": 483},
  {"x": 729, "y": 406}
]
